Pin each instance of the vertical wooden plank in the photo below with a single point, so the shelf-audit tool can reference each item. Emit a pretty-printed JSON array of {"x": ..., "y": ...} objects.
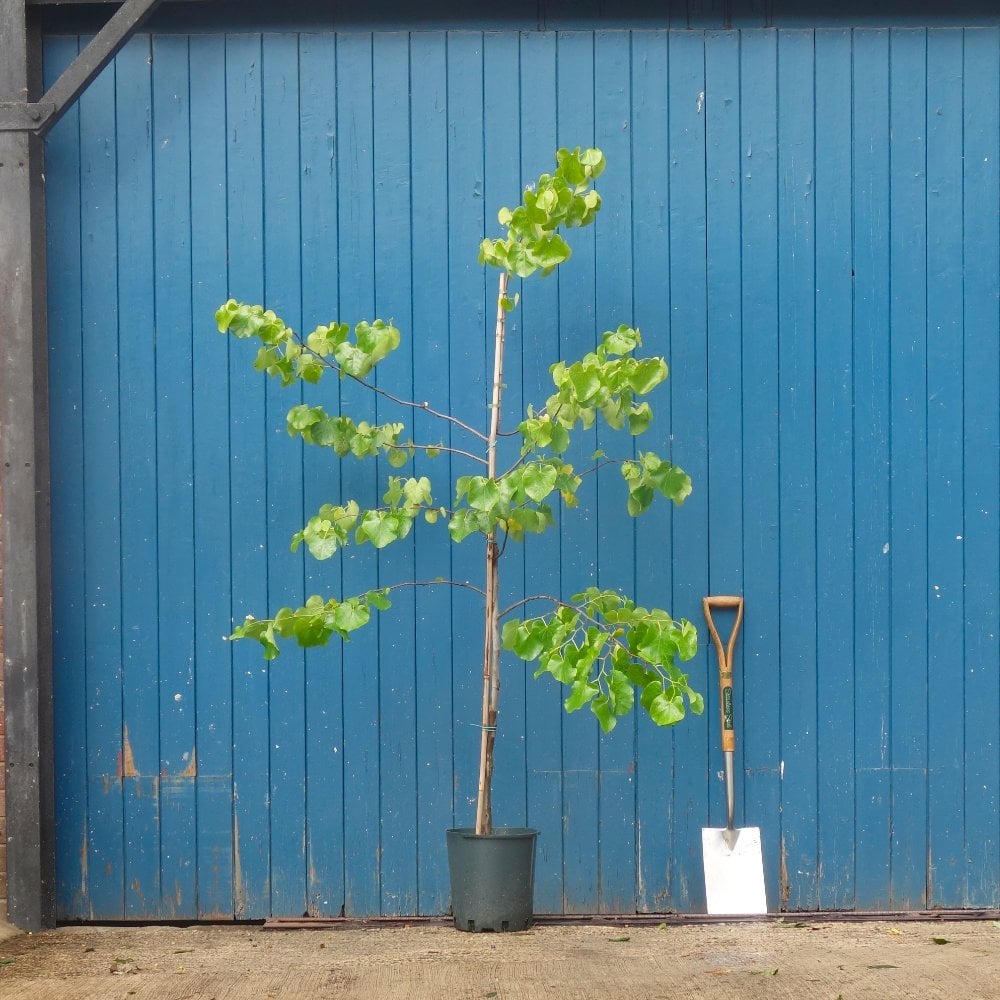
[
  {"x": 213, "y": 582},
  {"x": 248, "y": 481},
  {"x": 945, "y": 520},
  {"x": 544, "y": 716},
  {"x": 102, "y": 526},
  {"x": 796, "y": 443},
  {"x": 501, "y": 159},
  {"x": 873, "y": 719},
  {"x": 724, "y": 480},
  {"x": 689, "y": 426},
  {"x": 616, "y": 827},
  {"x": 178, "y": 761},
  {"x": 908, "y": 477},
  {"x": 396, "y": 629},
  {"x": 468, "y": 391},
  {"x": 355, "y": 197},
  {"x": 64, "y": 255},
  {"x": 319, "y": 152},
  {"x": 578, "y": 541},
  {"x": 140, "y": 766},
  {"x": 981, "y": 544},
  {"x": 285, "y": 460},
  {"x": 725, "y": 431},
  {"x": 434, "y": 788},
  {"x": 834, "y": 471},
  {"x": 761, "y": 401},
  {"x": 651, "y": 298}
]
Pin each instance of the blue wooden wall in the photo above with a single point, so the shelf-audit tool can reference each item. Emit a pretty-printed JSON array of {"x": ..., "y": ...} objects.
[{"x": 804, "y": 221}]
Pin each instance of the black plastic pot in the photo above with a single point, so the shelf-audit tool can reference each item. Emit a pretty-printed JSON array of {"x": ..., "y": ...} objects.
[{"x": 492, "y": 879}]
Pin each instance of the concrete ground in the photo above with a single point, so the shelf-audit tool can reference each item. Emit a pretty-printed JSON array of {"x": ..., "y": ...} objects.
[{"x": 766, "y": 959}]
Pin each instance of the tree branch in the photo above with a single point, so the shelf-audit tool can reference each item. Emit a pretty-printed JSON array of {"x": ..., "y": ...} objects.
[{"x": 425, "y": 406}]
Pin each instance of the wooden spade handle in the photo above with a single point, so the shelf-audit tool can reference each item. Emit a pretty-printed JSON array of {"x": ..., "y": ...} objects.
[{"x": 725, "y": 657}]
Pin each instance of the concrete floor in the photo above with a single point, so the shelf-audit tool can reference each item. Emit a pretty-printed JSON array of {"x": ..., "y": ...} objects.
[{"x": 770, "y": 958}]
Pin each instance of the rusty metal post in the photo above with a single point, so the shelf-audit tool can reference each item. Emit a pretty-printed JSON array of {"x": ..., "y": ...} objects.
[{"x": 24, "y": 495}]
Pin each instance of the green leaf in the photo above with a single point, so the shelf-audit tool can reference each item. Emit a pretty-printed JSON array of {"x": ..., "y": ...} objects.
[
  {"x": 622, "y": 692},
  {"x": 666, "y": 711},
  {"x": 351, "y": 615},
  {"x": 532, "y": 521},
  {"x": 462, "y": 524},
  {"x": 581, "y": 693},
  {"x": 320, "y": 537},
  {"x": 381, "y": 528},
  {"x": 300, "y": 417},
  {"x": 379, "y": 599},
  {"x": 522, "y": 640},
  {"x": 601, "y": 707},
  {"x": 417, "y": 492},
  {"x": 484, "y": 494},
  {"x": 687, "y": 640},
  {"x": 639, "y": 500},
  {"x": 622, "y": 341},
  {"x": 647, "y": 375},
  {"x": 560, "y": 439},
  {"x": 585, "y": 381},
  {"x": 308, "y": 368},
  {"x": 639, "y": 418},
  {"x": 538, "y": 480}
]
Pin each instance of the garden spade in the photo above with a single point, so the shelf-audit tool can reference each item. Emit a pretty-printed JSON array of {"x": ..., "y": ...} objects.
[{"x": 734, "y": 867}]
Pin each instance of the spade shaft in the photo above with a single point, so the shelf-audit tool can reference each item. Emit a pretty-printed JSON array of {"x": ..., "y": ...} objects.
[{"x": 725, "y": 657}]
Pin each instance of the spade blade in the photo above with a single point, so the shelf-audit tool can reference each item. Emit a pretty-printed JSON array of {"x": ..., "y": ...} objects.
[{"x": 734, "y": 871}]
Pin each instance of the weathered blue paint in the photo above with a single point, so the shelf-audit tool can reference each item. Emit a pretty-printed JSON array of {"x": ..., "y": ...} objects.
[
  {"x": 761, "y": 658},
  {"x": 908, "y": 470},
  {"x": 214, "y": 805},
  {"x": 981, "y": 376},
  {"x": 803, "y": 221},
  {"x": 834, "y": 474},
  {"x": 547, "y": 783}
]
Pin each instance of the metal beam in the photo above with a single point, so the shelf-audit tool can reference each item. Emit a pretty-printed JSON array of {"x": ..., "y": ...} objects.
[
  {"x": 24, "y": 494},
  {"x": 92, "y": 3},
  {"x": 41, "y": 116},
  {"x": 19, "y": 116}
]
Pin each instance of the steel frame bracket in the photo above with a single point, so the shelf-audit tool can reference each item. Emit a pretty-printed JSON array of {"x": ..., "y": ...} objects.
[{"x": 20, "y": 116}]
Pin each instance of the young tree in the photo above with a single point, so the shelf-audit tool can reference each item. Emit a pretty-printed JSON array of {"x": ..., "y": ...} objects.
[{"x": 599, "y": 643}]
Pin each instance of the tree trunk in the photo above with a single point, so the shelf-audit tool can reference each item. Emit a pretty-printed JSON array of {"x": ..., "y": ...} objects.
[{"x": 491, "y": 624}]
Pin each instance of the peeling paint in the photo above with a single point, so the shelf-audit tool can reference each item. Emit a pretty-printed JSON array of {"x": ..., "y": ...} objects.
[
  {"x": 84, "y": 867},
  {"x": 191, "y": 771},
  {"x": 239, "y": 890},
  {"x": 127, "y": 768},
  {"x": 137, "y": 889},
  {"x": 785, "y": 885},
  {"x": 640, "y": 882}
]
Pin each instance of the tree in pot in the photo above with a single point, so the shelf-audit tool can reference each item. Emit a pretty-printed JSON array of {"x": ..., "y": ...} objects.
[{"x": 607, "y": 650}]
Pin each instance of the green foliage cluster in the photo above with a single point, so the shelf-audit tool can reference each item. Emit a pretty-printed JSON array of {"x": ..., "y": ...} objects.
[
  {"x": 608, "y": 651},
  {"x": 562, "y": 199},
  {"x": 605, "y": 649}
]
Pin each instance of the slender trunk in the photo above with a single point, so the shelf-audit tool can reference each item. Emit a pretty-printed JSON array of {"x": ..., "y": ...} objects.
[{"x": 491, "y": 629}]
